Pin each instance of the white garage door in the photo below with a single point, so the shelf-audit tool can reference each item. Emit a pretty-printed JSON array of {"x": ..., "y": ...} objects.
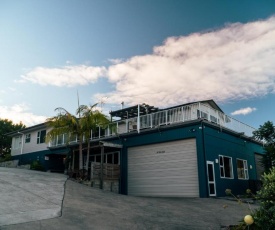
[{"x": 165, "y": 169}]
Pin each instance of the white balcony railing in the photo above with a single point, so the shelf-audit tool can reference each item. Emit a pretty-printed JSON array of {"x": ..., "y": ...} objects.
[{"x": 166, "y": 117}]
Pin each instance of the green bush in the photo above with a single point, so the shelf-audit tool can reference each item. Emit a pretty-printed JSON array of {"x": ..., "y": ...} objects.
[
  {"x": 264, "y": 217},
  {"x": 36, "y": 165},
  {"x": 7, "y": 157}
]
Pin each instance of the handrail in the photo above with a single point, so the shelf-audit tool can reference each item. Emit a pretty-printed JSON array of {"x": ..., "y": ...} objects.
[{"x": 172, "y": 116}]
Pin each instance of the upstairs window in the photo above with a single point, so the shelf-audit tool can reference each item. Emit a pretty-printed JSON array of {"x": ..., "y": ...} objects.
[
  {"x": 41, "y": 135},
  {"x": 201, "y": 114},
  {"x": 28, "y": 138},
  {"x": 226, "y": 170},
  {"x": 242, "y": 169}
]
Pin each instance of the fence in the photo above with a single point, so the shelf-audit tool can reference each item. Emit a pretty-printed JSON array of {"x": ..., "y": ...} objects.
[{"x": 110, "y": 171}]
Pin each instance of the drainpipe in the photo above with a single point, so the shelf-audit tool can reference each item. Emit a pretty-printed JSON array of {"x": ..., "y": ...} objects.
[
  {"x": 21, "y": 151},
  {"x": 204, "y": 157},
  {"x": 138, "y": 121}
]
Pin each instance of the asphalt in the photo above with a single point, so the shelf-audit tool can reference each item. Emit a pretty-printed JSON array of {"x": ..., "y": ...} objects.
[{"x": 26, "y": 194}]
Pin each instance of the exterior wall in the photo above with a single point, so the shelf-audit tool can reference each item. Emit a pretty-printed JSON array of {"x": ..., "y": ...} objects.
[
  {"x": 30, "y": 147},
  {"x": 53, "y": 162},
  {"x": 211, "y": 142},
  {"x": 218, "y": 142}
]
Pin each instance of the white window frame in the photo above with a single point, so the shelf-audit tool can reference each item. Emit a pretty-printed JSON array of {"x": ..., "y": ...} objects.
[
  {"x": 222, "y": 167},
  {"x": 244, "y": 169},
  {"x": 27, "y": 136},
  {"x": 39, "y": 140}
]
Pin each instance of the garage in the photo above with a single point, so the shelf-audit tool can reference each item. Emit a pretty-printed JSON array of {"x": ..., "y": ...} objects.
[{"x": 165, "y": 169}]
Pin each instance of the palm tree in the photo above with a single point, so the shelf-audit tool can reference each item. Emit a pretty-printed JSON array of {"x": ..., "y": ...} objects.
[
  {"x": 66, "y": 123},
  {"x": 91, "y": 120}
]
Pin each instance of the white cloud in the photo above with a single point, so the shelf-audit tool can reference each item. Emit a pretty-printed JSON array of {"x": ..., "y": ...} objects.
[
  {"x": 20, "y": 113},
  {"x": 66, "y": 76},
  {"x": 243, "y": 111},
  {"x": 233, "y": 63}
]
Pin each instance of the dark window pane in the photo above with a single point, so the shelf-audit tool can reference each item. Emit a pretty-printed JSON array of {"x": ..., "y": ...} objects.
[
  {"x": 210, "y": 172},
  {"x": 212, "y": 189}
]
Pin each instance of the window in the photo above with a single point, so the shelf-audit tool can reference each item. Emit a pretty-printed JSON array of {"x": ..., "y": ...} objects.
[
  {"x": 213, "y": 119},
  {"x": 242, "y": 169},
  {"x": 17, "y": 142},
  {"x": 226, "y": 167},
  {"x": 201, "y": 114},
  {"x": 28, "y": 138},
  {"x": 41, "y": 136}
]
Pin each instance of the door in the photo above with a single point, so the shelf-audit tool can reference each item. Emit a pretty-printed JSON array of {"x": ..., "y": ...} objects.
[
  {"x": 211, "y": 178},
  {"x": 167, "y": 169}
]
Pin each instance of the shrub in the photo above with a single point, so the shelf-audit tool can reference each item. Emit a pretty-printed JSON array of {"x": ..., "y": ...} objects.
[
  {"x": 265, "y": 216},
  {"x": 36, "y": 165}
]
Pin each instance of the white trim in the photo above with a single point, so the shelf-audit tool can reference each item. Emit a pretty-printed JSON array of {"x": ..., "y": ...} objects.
[
  {"x": 245, "y": 169},
  {"x": 214, "y": 181},
  {"x": 232, "y": 172}
]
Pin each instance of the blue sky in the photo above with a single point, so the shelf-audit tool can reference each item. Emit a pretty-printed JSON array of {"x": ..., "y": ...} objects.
[{"x": 163, "y": 53}]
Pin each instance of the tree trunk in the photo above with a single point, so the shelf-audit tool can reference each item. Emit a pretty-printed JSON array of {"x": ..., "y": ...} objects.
[
  {"x": 88, "y": 156},
  {"x": 73, "y": 160},
  {"x": 80, "y": 154}
]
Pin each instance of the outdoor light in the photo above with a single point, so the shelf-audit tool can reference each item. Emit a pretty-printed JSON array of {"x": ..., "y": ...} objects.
[{"x": 248, "y": 219}]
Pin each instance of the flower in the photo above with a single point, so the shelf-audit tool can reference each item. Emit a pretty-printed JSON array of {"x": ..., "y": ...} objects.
[{"x": 248, "y": 219}]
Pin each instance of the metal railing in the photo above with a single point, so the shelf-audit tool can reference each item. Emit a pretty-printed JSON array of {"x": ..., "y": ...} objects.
[{"x": 167, "y": 117}]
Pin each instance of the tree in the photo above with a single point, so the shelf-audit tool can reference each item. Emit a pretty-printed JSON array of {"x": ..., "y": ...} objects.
[
  {"x": 266, "y": 134},
  {"x": 264, "y": 216},
  {"x": 91, "y": 120},
  {"x": 88, "y": 119},
  {"x": 7, "y": 126},
  {"x": 66, "y": 123}
]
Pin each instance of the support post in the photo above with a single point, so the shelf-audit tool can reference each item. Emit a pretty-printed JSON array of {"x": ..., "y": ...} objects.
[{"x": 101, "y": 166}]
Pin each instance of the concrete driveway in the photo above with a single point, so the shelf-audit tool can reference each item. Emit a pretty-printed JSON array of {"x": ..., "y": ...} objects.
[
  {"x": 89, "y": 208},
  {"x": 27, "y": 195}
]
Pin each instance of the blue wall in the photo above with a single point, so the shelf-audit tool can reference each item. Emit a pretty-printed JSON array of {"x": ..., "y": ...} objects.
[{"x": 211, "y": 142}]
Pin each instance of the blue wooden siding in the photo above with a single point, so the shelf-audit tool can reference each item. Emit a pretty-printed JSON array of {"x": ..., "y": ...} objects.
[{"x": 211, "y": 142}]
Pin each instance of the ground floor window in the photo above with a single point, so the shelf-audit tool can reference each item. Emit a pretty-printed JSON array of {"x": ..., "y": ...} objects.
[
  {"x": 226, "y": 169},
  {"x": 109, "y": 158},
  {"x": 242, "y": 169}
]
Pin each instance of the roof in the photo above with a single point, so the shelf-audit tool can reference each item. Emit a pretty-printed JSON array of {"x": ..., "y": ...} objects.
[
  {"x": 133, "y": 111},
  {"x": 27, "y": 130},
  {"x": 211, "y": 102},
  {"x": 147, "y": 109}
]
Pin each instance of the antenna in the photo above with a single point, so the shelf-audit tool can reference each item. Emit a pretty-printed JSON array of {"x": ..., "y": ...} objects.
[{"x": 78, "y": 102}]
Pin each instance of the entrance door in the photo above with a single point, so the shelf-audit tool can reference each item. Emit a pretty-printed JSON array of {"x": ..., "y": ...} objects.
[{"x": 211, "y": 178}]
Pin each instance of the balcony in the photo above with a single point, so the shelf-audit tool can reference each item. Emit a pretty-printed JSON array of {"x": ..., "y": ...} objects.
[{"x": 166, "y": 117}]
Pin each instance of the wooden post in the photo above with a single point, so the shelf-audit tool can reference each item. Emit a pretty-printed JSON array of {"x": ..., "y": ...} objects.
[
  {"x": 101, "y": 166},
  {"x": 73, "y": 160}
]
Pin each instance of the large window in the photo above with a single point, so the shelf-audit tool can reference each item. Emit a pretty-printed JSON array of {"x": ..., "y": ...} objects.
[
  {"x": 28, "y": 138},
  {"x": 226, "y": 167},
  {"x": 242, "y": 169},
  {"x": 41, "y": 135}
]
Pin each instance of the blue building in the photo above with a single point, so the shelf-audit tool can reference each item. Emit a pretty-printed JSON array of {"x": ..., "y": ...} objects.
[{"x": 190, "y": 150}]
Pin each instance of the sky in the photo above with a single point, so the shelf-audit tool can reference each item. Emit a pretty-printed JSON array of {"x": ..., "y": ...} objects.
[{"x": 160, "y": 52}]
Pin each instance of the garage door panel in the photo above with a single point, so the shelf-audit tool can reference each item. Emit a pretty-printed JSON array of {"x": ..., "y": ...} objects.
[
  {"x": 165, "y": 169},
  {"x": 160, "y": 157},
  {"x": 163, "y": 165}
]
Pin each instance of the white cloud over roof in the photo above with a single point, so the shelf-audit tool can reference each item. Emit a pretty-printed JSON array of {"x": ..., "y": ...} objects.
[
  {"x": 232, "y": 63},
  {"x": 243, "y": 111}
]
